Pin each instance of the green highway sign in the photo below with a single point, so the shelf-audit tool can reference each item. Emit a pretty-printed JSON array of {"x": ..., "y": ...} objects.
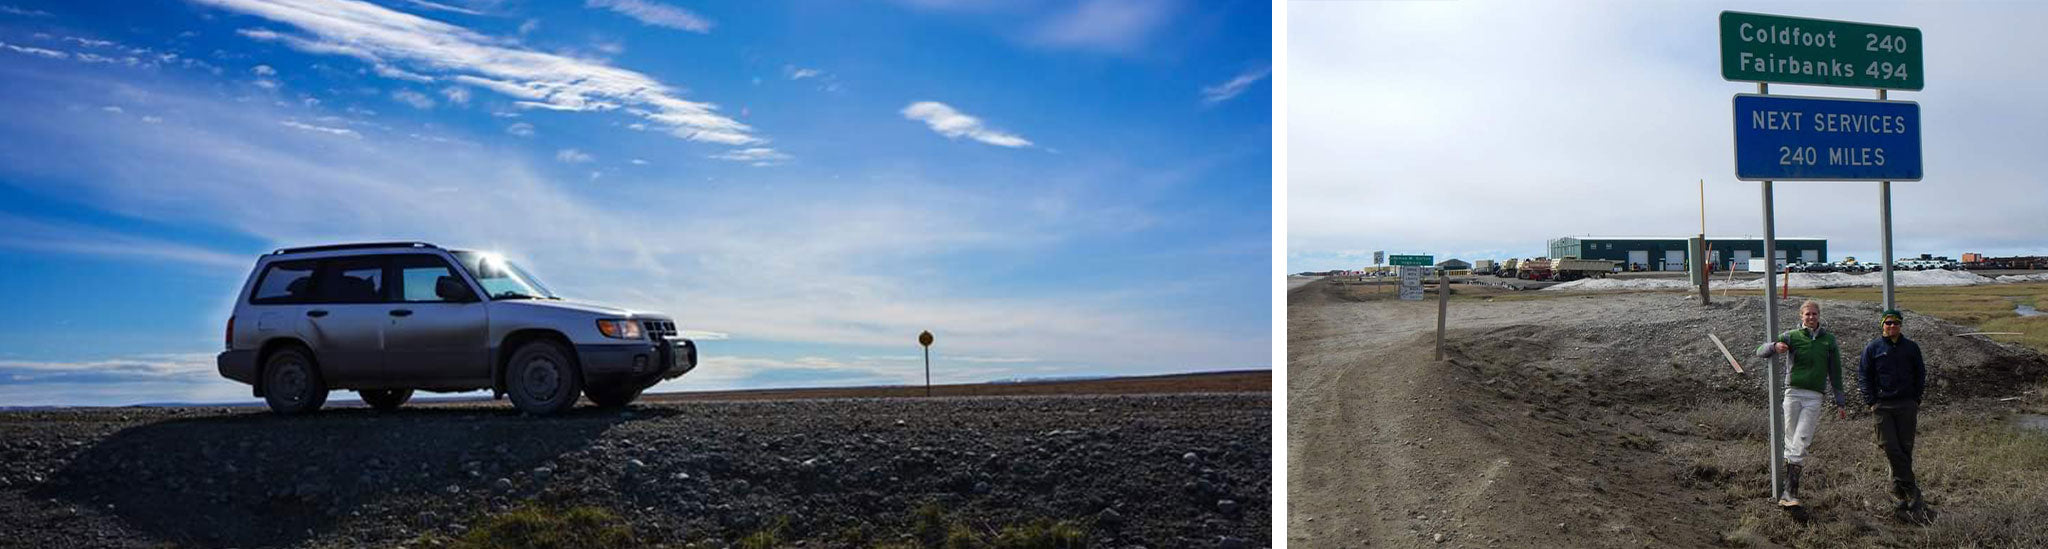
[
  {"x": 1411, "y": 260},
  {"x": 1796, "y": 50}
]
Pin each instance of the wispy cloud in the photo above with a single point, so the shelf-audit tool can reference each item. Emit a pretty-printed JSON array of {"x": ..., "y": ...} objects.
[
  {"x": 344, "y": 132},
  {"x": 1112, "y": 26},
  {"x": 1226, "y": 91},
  {"x": 383, "y": 37},
  {"x": 31, "y": 50},
  {"x": 416, "y": 99},
  {"x": 955, "y": 124},
  {"x": 443, "y": 7},
  {"x": 656, "y": 14},
  {"x": 758, "y": 156},
  {"x": 520, "y": 129},
  {"x": 263, "y": 70},
  {"x": 22, "y": 233},
  {"x": 573, "y": 156},
  {"x": 799, "y": 73},
  {"x": 456, "y": 94},
  {"x": 23, "y": 12}
]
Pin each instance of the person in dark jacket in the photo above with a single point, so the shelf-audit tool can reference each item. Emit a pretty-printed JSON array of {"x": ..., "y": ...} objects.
[{"x": 1892, "y": 375}]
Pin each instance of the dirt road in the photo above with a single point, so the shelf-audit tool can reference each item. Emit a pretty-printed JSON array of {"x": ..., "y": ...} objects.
[{"x": 1602, "y": 420}]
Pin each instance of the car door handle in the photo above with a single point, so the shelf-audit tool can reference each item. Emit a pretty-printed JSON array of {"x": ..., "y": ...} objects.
[
  {"x": 401, "y": 312},
  {"x": 316, "y": 313}
]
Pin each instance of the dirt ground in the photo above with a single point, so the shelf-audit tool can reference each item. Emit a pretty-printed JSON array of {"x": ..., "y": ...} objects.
[{"x": 1609, "y": 420}]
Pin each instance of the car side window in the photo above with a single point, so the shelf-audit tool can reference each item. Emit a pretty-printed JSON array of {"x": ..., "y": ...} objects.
[
  {"x": 352, "y": 280},
  {"x": 285, "y": 283},
  {"x": 429, "y": 279}
]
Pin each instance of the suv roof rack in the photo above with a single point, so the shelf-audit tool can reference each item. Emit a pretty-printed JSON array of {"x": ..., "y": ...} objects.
[{"x": 355, "y": 246}]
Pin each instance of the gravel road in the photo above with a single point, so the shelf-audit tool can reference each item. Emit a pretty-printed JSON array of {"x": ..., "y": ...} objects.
[{"x": 1186, "y": 470}]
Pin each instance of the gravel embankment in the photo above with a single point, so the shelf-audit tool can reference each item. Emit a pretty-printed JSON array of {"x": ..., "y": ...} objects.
[{"x": 1191, "y": 470}]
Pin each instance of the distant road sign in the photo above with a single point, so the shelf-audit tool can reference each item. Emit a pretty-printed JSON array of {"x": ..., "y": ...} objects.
[
  {"x": 1411, "y": 281},
  {"x": 1414, "y": 260},
  {"x": 1796, "y": 50},
  {"x": 1379, "y": 257},
  {"x": 1785, "y": 138}
]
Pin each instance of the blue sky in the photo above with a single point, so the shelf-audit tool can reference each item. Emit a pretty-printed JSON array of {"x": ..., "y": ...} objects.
[
  {"x": 1053, "y": 188},
  {"x": 1522, "y": 122}
]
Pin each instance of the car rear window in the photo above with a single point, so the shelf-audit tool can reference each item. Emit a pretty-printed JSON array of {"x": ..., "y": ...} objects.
[{"x": 285, "y": 282}]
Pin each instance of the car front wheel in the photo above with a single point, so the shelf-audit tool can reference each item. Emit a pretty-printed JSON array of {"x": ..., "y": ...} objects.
[{"x": 543, "y": 379}]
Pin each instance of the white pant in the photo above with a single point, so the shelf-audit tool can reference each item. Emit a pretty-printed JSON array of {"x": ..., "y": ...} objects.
[{"x": 1802, "y": 416}]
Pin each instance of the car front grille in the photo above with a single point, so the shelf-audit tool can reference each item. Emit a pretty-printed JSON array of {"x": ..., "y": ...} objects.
[{"x": 659, "y": 328}]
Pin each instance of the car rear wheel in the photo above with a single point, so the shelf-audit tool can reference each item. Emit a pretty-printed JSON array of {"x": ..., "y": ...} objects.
[
  {"x": 385, "y": 400},
  {"x": 613, "y": 397},
  {"x": 291, "y": 383},
  {"x": 543, "y": 379}
]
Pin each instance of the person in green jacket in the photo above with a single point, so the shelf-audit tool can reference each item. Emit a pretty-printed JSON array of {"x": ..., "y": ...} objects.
[{"x": 1816, "y": 366}]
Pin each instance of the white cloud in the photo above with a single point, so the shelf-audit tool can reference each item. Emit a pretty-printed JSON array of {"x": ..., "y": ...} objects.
[
  {"x": 416, "y": 99},
  {"x": 656, "y": 14},
  {"x": 799, "y": 73},
  {"x": 529, "y": 26},
  {"x": 381, "y": 36},
  {"x": 396, "y": 73},
  {"x": 758, "y": 156},
  {"x": 53, "y": 54},
  {"x": 955, "y": 124},
  {"x": 520, "y": 129},
  {"x": 23, "y": 12},
  {"x": 1113, "y": 26},
  {"x": 265, "y": 84},
  {"x": 1228, "y": 90},
  {"x": 152, "y": 119},
  {"x": 443, "y": 7},
  {"x": 572, "y": 156},
  {"x": 263, "y": 70},
  {"x": 20, "y": 233},
  {"x": 344, "y": 132},
  {"x": 112, "y": 109},
  {"x": 639, "y": 162},
  {"x": 456, "y": 94}
]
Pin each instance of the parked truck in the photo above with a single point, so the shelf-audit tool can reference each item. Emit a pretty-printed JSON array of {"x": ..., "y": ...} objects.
[
  {"x": 1508, "y": 268},
  {"x": 1572, "y": 268},
  {"x": 1537, "y": 268},
  {"x": 1483, "y": 266}
]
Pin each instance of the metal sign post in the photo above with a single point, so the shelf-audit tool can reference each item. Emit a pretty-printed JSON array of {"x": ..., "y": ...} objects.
[
  {"x": 925, "y": 339},
  {"x": 1771, "y": 334},
  {"x": 1443, "y": 302},
  {"x": 1884, "y": 215}
]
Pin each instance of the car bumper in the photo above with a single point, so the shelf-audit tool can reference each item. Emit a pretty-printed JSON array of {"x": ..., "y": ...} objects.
[
  {"x": 641, "y": 363},
  {"x": 238, "y": 366}
]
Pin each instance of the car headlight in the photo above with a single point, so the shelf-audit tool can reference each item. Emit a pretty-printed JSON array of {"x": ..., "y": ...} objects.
[{"x": 619, "y": 329}]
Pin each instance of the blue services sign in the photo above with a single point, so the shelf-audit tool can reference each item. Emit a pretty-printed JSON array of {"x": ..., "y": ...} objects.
[{"x": 1785, "y": 138}]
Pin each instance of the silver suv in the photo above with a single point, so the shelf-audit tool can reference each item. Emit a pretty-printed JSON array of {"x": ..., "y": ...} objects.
[{"x": 385, "y": 319}]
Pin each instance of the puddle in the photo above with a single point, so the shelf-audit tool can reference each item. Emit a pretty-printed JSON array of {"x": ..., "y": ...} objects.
[
  {"x": 2024, "y": 310},
  {"x": 2032, "y": 421}
]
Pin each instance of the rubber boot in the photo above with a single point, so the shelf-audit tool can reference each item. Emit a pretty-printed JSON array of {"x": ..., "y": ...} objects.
[{"x": 1791, "y": 485}]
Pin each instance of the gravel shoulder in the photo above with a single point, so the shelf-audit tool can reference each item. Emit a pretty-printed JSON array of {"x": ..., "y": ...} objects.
[{"x": 1154, "y": 470}]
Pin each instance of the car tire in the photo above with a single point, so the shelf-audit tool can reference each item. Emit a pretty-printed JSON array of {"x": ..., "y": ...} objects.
[
  {"x": 543, "y": 379},
  {"x": 291, "y": 382},
  {"x": 385, "y": 400},
  {"x": 613, "y": 397}
]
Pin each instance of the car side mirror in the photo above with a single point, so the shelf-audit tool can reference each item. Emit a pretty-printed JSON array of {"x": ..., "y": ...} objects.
[{"x": 449, "y": 288}]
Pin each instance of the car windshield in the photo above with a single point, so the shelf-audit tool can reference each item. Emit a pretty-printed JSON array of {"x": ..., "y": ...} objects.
[{"x": 502, "y": 278}]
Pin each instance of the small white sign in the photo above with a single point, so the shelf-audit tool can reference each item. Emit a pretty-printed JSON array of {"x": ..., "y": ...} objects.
[{"x": 1411, "y": 282}]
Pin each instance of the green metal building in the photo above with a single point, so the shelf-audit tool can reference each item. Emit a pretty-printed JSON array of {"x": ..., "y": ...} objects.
[{"x": 1662, "y": 253}]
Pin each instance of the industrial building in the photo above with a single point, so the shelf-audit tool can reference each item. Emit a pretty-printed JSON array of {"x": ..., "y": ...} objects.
[{"x": 1664, "y": 253}]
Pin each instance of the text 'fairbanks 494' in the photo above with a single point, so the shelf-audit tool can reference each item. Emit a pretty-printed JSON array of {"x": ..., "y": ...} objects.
[
  {"x": 1783, "y": 138},
  {"x": 1796, "y": 50}
]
